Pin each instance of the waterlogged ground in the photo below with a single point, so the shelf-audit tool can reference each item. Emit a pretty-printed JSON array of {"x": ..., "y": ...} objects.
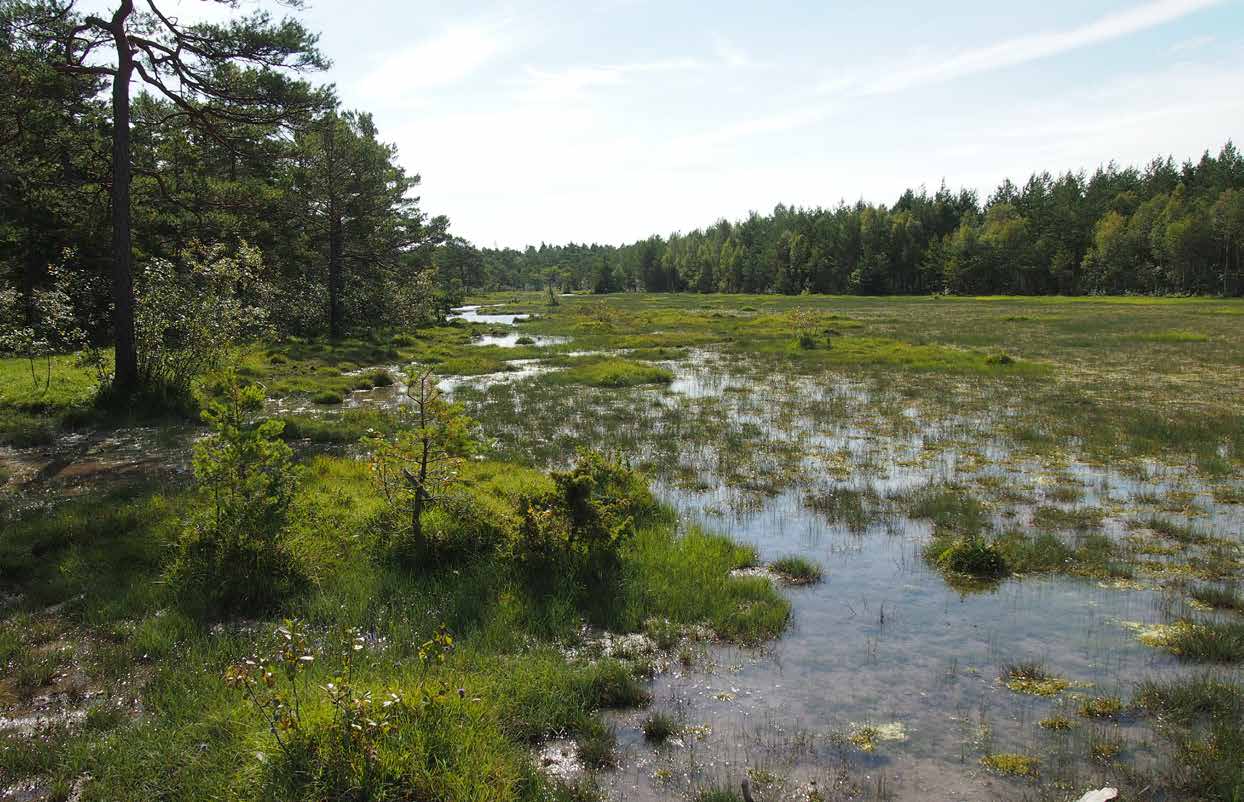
[
  {"x": 889, "y": 682},
  {"x": 884, "y": 642}
]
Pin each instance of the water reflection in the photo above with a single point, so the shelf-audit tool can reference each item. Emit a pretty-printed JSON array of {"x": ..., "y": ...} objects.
[{"x": 472, "y": 314}]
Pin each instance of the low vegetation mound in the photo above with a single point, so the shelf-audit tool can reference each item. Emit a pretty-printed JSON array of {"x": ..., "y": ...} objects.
[
  {"x": 611, "y": 372},
  {"x": 797, "y": 570}
]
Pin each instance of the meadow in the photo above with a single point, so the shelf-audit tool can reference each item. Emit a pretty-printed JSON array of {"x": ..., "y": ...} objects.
[{"x": 876, "y": 548}]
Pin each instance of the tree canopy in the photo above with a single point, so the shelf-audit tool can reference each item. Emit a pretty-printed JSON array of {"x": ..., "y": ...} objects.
[{"x": 1164, "y": 228}]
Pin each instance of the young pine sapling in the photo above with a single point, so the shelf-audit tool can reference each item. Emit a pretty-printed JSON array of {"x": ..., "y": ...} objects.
[{"x": 416, "y": 469}]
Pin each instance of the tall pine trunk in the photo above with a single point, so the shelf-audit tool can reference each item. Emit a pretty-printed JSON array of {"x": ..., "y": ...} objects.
[
  {"x": 126, "y": 379},
  {"x": 335, "y": 278}
]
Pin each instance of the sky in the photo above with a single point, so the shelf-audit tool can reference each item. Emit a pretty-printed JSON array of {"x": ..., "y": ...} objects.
[{"x": 565, "y": 120}]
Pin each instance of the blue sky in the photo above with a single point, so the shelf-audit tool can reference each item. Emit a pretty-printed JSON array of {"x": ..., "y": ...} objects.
[{"x": 556, "y": 121}]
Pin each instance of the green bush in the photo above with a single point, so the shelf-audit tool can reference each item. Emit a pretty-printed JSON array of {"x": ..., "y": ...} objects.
[
  {"x": 582, "y": 524},
  {"x": 233, "y": 556},
  {"x": 467, "y": 525}
]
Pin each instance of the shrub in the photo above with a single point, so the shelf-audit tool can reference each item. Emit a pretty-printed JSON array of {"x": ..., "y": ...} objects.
[
  {"x": 582, "y": 523},
  {"x": 51, "y": 329},
  {"x": 233, "y": 555},
  {"x": 463, "y": 525},
  {"x": 187, "y": 320},
  {"x": 327, "y": 397}
]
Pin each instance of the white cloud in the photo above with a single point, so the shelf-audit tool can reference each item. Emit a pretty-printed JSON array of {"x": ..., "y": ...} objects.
[
  {"x": 443, "y": 60},
  {"x": 560, "y": 85},
  {"x": 1192, "y": 45},
  {"x": 1036, "y": 46},
  {"x": 731, "y": 54}
]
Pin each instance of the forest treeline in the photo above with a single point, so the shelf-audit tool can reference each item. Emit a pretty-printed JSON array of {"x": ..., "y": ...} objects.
[{"x": 1163, "y": 229}]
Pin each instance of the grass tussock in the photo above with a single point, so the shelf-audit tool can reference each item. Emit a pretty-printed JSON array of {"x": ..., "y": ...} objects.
[
  {"x": 611, "y": 372},
  {"x": 1200, "y": 721},
  {"x": 1206, "y": 641},
  {"x": 1012, "y": 764},
  {"x": 660, "y": 727},
  {"x": 1100, "y": 707},
  {"x": 1032, "y": 678},
  {"x": 797, "y": 570},
  {"x": 1219, "y": 597}
]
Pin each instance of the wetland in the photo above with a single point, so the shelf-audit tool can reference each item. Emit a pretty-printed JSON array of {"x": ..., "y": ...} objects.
[{"x": 901, "y": 548}]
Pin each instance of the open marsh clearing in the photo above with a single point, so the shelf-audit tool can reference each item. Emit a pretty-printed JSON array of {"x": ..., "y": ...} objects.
[
  {"x": 1002, "y": 518},
  {"x": 829, "y": 465}
]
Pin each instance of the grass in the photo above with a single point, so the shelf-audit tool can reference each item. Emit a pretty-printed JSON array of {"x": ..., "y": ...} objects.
[
  {"x": 1219, "y": 597},
  {"x": 1175, "y": 336},
  {"x": 32, "y": 409},
  {"x": 610, "y": 372},
  {"x": 1100, "y": 707},
  {"x": 327, "y": 397},
  {"x": 1206, "y": 641},
  {"x": 1093, "y": 554},
  {"x": 597, "y": 747},
  {"x": 1033, "y": 679},
  {"x": 1200, "y": 719},
  {"x": 1057, "y": 723},
  {"x": 1080, "y": 518},
  {"x": 1187, "y": 700},
  {"x": 105, "y": 556},
  {"x": 1105, "y": 747},
  {"x": 660, "y": 727},
  {"x": 970, "y": 556},
  {"x": 797, "y": 570},
  {"x": 1012, "y": 764},
  {"x": 1173, "y": 530}
]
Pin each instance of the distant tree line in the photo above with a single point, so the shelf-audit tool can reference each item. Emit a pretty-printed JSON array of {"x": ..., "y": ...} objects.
[
  {"x": 1164, "y": 229},
  {"x": 224, "y": 148}
]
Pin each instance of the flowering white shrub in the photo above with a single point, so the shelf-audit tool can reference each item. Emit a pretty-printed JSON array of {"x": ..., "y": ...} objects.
[
  {"x": 52, "y": 328},
  {"x": 186, "y": 321}
]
